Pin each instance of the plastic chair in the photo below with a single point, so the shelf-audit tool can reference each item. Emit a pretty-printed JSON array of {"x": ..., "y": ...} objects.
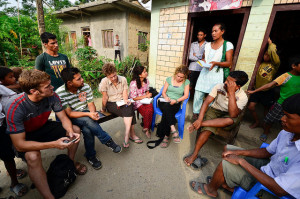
[
  {"x": 180, "y": 115},
  {"x": 240, "y": 193}
]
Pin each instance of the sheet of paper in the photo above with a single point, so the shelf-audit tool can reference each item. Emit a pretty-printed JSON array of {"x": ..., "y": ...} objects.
[
  {"x": 146, "y": 100},
  {"x": 203, "y": 64},
  {"x": 122, "y": 103}
]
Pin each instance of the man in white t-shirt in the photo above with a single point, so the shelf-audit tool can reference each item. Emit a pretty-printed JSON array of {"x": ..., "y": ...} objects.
[
  {"x": 117, "y": 48},
  {"x": 228, "y": 102}
]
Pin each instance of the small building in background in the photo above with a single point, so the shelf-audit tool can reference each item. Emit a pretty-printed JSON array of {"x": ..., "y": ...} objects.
[{"x": 98, "y": 23}]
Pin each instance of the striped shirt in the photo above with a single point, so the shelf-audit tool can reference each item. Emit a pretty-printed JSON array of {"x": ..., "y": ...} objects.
[{"x": 78, "y": 101}]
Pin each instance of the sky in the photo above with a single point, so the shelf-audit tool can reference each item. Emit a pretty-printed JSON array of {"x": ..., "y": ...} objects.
[{"x": 14, "y": 3}]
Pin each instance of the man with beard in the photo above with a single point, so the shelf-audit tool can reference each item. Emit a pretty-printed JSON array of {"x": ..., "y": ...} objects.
[
  {"x": 77, "y": 100},
  {"x": 228, "y": 102}
]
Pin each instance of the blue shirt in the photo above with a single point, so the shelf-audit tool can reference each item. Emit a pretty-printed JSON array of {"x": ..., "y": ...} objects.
[{"x": 285, "y": 173}]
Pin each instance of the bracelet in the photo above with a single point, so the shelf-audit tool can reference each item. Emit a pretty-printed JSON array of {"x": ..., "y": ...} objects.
[{"x": 177, "y": 102}]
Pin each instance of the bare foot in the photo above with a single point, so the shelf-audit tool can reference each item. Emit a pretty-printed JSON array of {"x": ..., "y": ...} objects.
[
  {"x": 254, "y": 125},
  {"x": 206, "y": 190},
  {"x": 189, "y": 160}
]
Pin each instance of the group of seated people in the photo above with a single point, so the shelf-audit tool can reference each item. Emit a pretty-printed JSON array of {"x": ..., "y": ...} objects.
[{"x": 26, "y": 122}]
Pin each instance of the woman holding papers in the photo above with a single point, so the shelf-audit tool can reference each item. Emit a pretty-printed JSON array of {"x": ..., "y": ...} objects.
[
  {"x": 114, "y": 89},
  {"x": 176, "y": 90},
  {"x": 218, "y": 54},
  {"x": 139, "y": 92}
]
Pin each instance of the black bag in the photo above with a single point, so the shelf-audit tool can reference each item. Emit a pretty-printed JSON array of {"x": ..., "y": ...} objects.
[
  {"x": 160, "y": 134},
  {"x": 153, "y": 91},
  {"x": 61, "y": 174}
]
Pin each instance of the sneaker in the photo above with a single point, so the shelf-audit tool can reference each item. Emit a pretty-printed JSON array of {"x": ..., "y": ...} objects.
[
  {"x": 96, "y": 164},
  {"x": 116, "y": 148}
]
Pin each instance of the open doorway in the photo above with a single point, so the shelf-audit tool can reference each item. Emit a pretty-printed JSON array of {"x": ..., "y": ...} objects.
[
  {"x": 284, "y": 31},
  {"x": 234, "y": 20}
]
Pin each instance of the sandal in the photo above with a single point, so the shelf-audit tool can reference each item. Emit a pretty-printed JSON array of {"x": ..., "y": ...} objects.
[
  {"x": 165, "y": 142},
  {"x": 176, "y": 137},
  {"x": 198, "y": 163},
  {"x": 125, "y": 144},
  {"x": 263, "y": 137},
  {"x": 147, "y": 132},
  {"x": 81, "y": 169},
  {"x": 20, "y": 189},
  {"x": 136, "y": 140},
  {"x": 196, "y": 188}
]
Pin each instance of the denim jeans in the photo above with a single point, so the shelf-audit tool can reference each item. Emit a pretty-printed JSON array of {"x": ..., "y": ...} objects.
[{"x": 90, "y": 128}]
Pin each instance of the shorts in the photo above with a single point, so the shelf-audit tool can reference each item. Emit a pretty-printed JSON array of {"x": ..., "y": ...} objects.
[
  {"x": 51, "y": 131},
  {"x": 213, "y": 113},
  {"x": 275, "y": 114},
  {"x": 123, "y": 111},
  {"x": 6, "y": 147},
  {"x": 266, "y": 98},
  {"x": 235, "y": 175}
]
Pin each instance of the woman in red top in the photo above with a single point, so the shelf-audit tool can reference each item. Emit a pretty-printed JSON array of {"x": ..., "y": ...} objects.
[{"x": 139, "y": 89}]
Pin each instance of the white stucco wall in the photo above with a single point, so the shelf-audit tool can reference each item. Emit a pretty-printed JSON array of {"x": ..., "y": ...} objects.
[{"x": 115, "y": 20}]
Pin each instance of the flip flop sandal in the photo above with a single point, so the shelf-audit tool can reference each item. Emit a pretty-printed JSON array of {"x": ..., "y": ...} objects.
[
  {"x": 137, "y": 140},
  {"x": 125, "y": 145},
  {"x": 20, "y": 189},
  {"x": 263, "y": 137},
  {"x": 176, "y": 137},
  {"x": 199, "y": 163},
  {"x": 164, "y": 143},
  {"x": 189, "y": 156},
  {"x": 79, "y": 168},
  {"x": 196, "y": 188}
]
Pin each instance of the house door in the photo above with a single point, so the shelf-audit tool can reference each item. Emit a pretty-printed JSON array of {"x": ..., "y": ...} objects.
[
  {"x": 234, "y": 20},
  {"x": 284, "y": 31}
]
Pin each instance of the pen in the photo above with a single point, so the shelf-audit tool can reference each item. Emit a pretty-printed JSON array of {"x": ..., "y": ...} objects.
[{"x": 286, "y": 159}]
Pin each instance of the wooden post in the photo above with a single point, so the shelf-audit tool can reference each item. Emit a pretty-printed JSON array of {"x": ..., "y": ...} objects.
[{"x": 40, "y": 18}]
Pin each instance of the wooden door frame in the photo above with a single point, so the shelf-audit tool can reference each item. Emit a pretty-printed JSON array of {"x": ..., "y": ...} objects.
[
  {"x": 190, "y": 28},
  {"x": 276, "y": 8}
]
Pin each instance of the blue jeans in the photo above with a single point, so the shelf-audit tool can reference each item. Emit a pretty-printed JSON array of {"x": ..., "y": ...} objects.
[{"x": 90, "y": 128}]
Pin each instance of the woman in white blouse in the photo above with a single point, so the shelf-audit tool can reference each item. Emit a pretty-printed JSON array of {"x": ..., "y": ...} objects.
[{"x": 213, "y": 54}]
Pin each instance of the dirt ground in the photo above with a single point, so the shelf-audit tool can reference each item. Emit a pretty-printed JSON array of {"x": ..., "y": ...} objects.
[{"x": 139, "y": 172}]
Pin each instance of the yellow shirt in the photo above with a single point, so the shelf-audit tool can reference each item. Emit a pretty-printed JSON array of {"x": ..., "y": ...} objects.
[{"x": 267, "y": 70}]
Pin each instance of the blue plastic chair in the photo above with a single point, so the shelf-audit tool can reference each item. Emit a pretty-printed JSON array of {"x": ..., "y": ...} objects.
[
  {"x": 240, "y": 193},
  {"x": 180, "y": 115}
]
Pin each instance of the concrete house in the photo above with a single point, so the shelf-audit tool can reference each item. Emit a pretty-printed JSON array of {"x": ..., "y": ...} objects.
[
  {"x": 173, "y": 29},
  {"x": 100, "y": 21}
]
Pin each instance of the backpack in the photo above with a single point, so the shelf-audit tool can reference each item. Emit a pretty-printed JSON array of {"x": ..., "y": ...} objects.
[{"x": 61, "y": 174}]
